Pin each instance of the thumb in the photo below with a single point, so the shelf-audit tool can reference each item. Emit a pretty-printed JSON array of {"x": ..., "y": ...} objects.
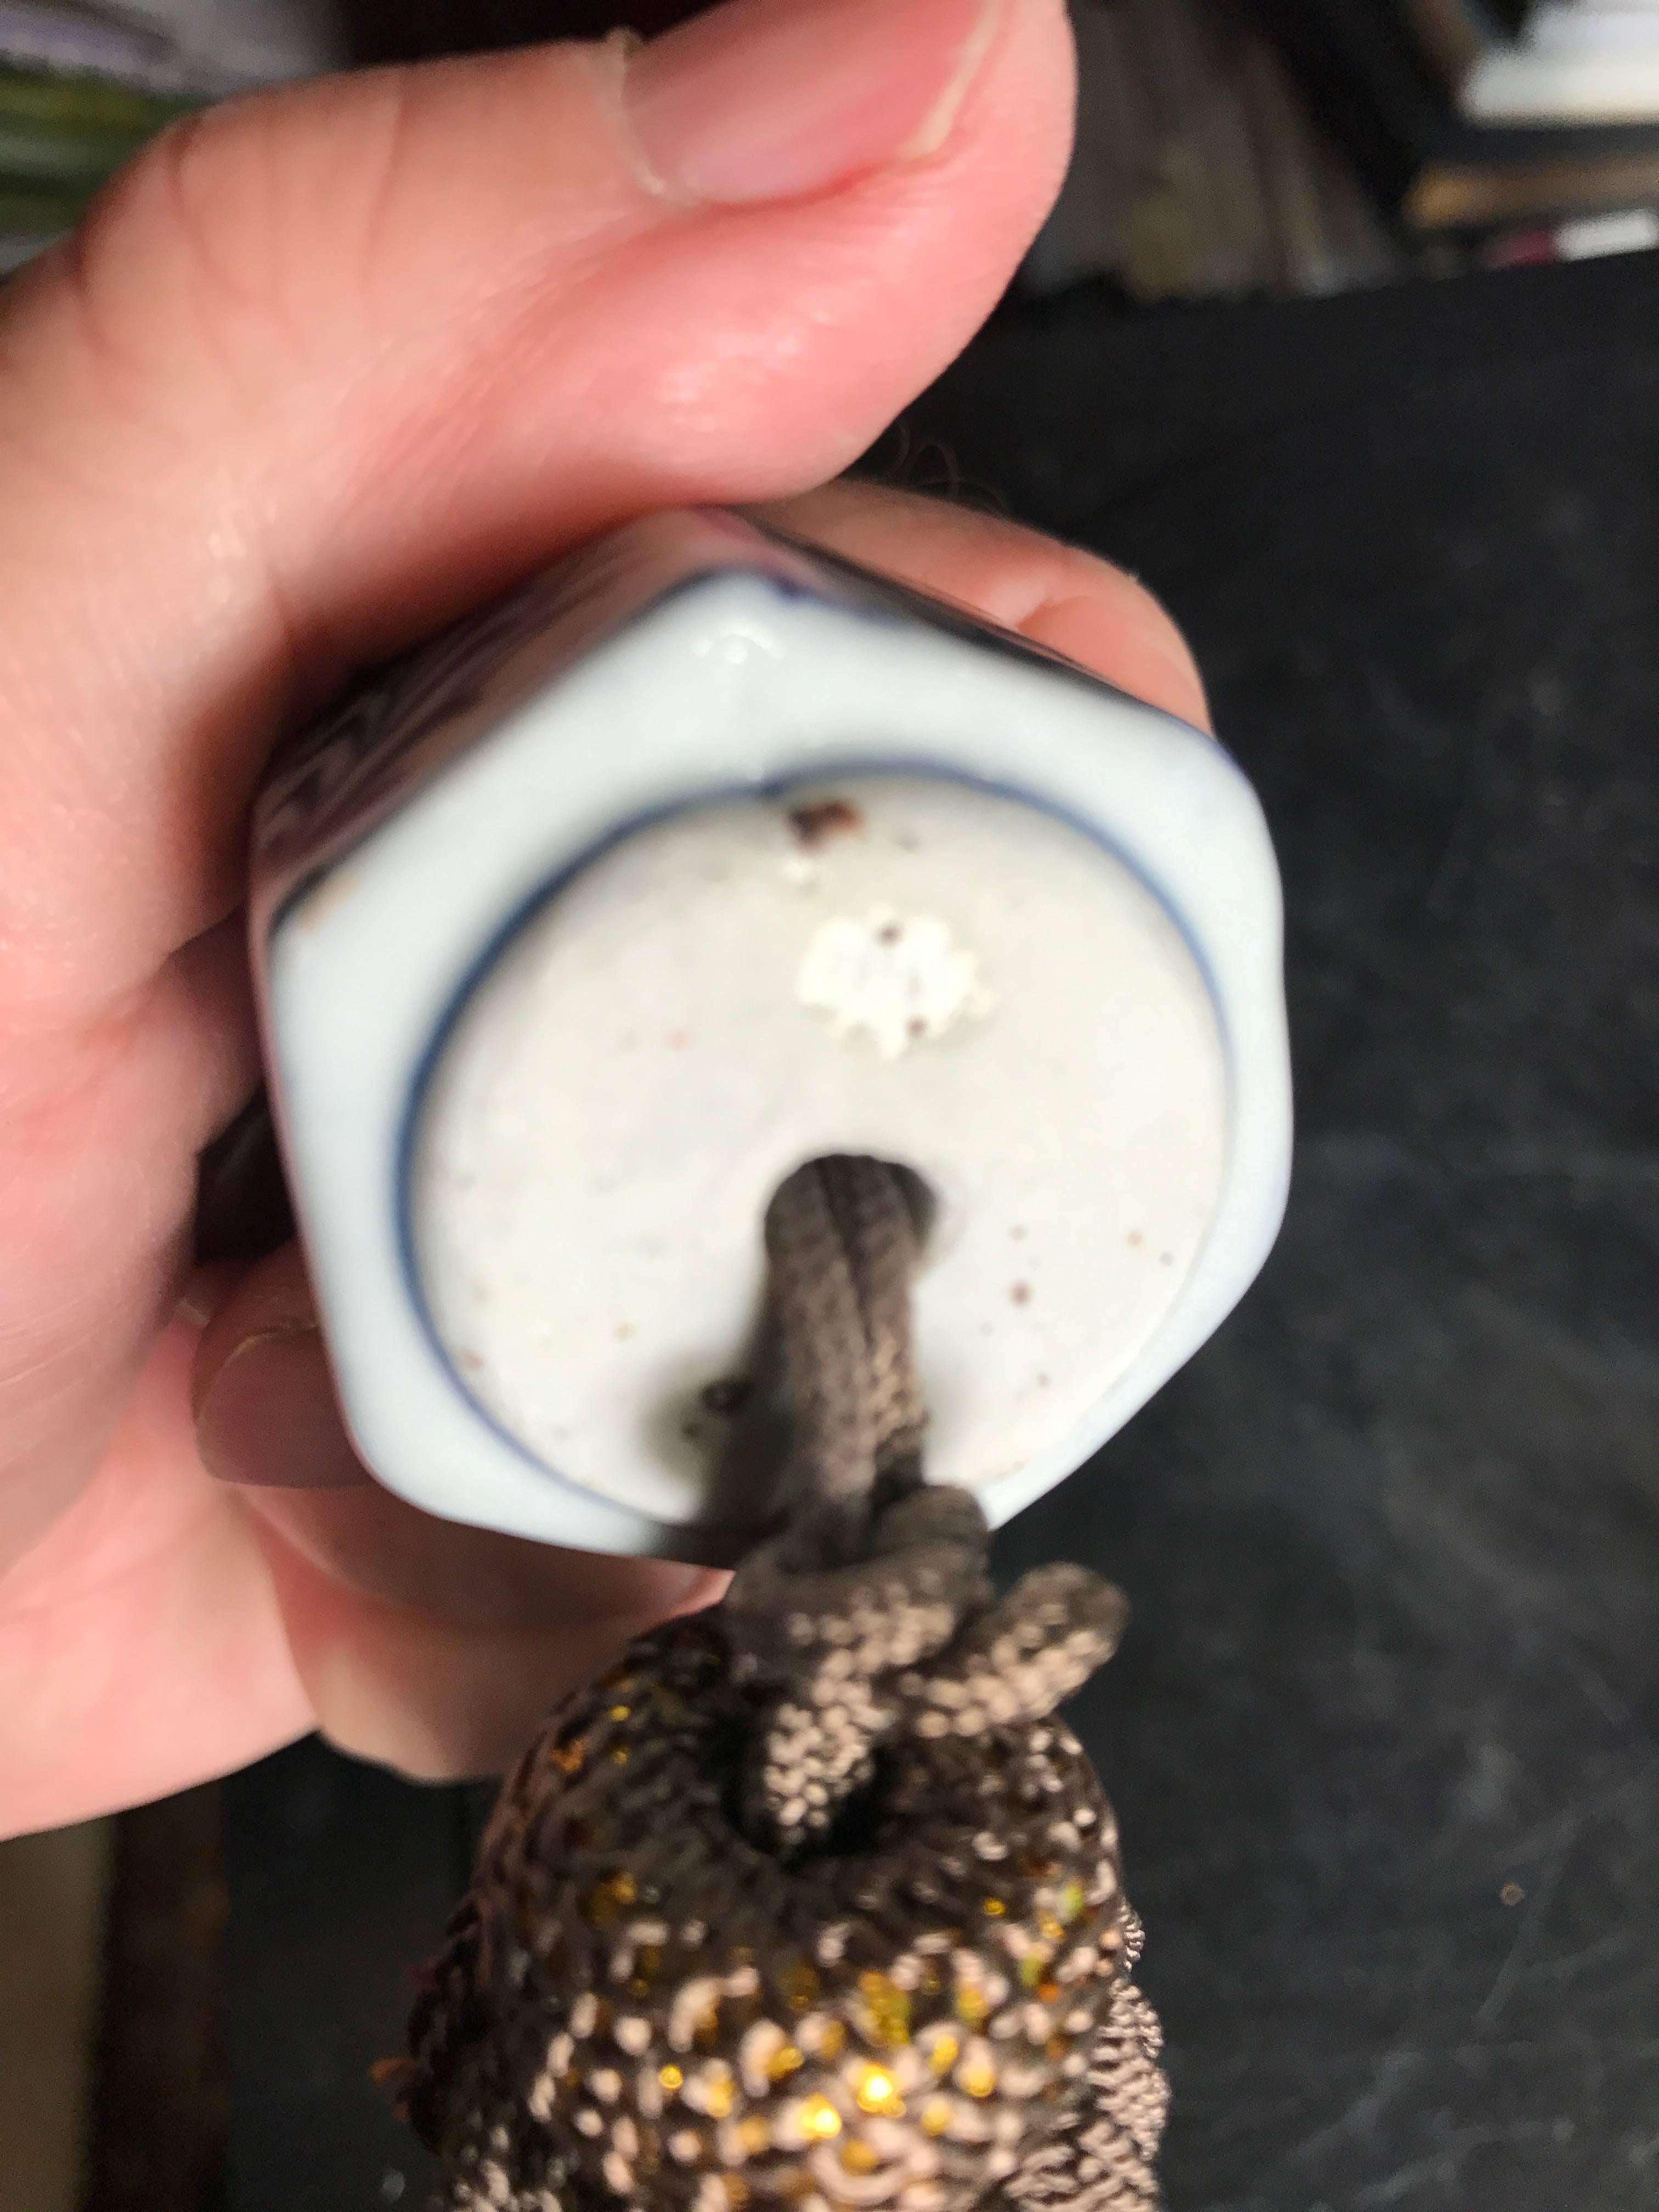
[{"x": 329, "y": 365}]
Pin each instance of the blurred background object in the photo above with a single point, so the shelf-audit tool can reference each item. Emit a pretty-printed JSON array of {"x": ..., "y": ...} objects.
[
  {"x": 1568, "y": 61},
  {"x": 61, "y": 135},
  {"x": 1226, "y": 147},
  {"x": 200, "y": 46},
  {"x": 52, "y": 1892},
  {"x": 83, "y": 86},
  {"x": 1198, "y": 171},
  {"x": 113, "y": 2077},
  {"x": 1375, "y": 73}
]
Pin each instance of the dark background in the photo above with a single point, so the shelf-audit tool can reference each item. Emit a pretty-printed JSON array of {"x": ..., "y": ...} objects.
[
  {"x": 1383, "y": 1735},
  {"x": 417, "y": 30}
]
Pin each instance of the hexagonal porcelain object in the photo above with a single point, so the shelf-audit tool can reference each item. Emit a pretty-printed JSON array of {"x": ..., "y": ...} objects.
[{"x": 700, "y": 856}]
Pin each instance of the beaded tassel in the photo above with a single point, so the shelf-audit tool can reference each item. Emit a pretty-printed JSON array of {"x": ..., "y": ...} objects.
[{"x": 810, "y": 1900}]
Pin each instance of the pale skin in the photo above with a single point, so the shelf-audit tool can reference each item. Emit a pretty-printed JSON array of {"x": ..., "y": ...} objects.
[{"x": 318, "y": 375}]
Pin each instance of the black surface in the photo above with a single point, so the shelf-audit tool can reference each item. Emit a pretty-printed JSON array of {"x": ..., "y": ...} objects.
[
  {"x": 1392, "y": 1538},
  {"x": 341, "y": 1879},
  {"x": 417, "y": 30}
]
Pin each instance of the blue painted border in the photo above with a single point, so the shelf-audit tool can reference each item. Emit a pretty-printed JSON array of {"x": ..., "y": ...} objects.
[{"x": 776, "y": 788}]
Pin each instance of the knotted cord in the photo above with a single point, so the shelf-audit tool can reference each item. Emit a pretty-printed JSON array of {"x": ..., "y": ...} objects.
[
  {"x": 875, "y": 1573},
  {"x": 810, "y": 1901}
]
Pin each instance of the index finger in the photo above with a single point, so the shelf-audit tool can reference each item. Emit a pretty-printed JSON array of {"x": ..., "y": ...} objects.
[{"x": 1055, "y": 594}]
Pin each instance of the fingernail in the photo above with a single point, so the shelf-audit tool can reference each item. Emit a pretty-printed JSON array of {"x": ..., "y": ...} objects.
[
  {"x": 769, "y": 100},
  {"x": 269, "y": 1416}
]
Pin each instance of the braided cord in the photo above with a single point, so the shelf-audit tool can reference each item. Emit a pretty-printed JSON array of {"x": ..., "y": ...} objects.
[{"x": 876, "y": 1574}]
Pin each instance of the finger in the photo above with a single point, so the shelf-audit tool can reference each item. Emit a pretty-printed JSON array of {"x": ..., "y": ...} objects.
[
  {"x": 439, "y": 1698},
  {"x": 141, "y": 1645},
  {"x": 264, "y": 1397},
  {"x": 98, "y": 1129},
  {"x": 161, "y": 1634},
  {"x": 1056, "y": 595},
  {"x": 267, "y": 1421},
  {"x": 431, "y": 1647}
]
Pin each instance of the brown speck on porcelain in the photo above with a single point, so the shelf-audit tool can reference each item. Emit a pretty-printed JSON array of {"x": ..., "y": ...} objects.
[{"x": 816, "y": 823}]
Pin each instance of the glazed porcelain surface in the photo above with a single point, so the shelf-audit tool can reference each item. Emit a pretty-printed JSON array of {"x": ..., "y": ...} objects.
[{"x": 697, "y": 858}]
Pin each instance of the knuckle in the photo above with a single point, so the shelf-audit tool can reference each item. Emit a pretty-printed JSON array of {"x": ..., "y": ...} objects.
[
  {"x": 234, "y": 232},
  {"x": 178, "y": 211}
]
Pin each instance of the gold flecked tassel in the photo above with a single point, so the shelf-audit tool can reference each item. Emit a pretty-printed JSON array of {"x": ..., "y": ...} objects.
[{"x": 811, "y": 1901}]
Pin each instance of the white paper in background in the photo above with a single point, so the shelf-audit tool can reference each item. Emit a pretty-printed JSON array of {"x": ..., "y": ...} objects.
[
  {"x": 1593, "y": 236},
  {"x": 1574, "y": 27},
  {"x": 1578, "y": 61},
  {"x": 1598, "y": 18}
]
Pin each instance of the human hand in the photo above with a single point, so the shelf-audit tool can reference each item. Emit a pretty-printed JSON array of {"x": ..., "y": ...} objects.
[{"x": 320, "y": 370}]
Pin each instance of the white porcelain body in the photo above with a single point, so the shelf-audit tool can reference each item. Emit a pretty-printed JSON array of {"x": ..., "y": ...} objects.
[{"x": 569, "y": 854}]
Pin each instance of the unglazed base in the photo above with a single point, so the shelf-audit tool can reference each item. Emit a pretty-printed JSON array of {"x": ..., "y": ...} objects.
[{"x": 905, "y": 966}]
